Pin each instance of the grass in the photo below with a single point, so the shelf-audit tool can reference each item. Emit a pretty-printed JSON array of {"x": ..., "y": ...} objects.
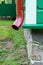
[
  {"x": 5, "y": 29},
  {"x": 12, "y": 44}
]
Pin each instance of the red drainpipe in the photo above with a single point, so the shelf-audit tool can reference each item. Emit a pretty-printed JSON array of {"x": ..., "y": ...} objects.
[{"x": 19, "y": 15}]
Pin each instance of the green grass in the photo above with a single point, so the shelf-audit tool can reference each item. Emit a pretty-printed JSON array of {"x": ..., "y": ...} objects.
[
  {"x": 14, "y": 53},
  {"x": 5, "y": 29}
]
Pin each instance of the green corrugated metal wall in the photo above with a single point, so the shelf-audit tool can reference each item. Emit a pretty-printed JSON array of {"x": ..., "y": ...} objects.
[
  {"x": 8, "y": 9},
  {"x": 40, "y": 11}
]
